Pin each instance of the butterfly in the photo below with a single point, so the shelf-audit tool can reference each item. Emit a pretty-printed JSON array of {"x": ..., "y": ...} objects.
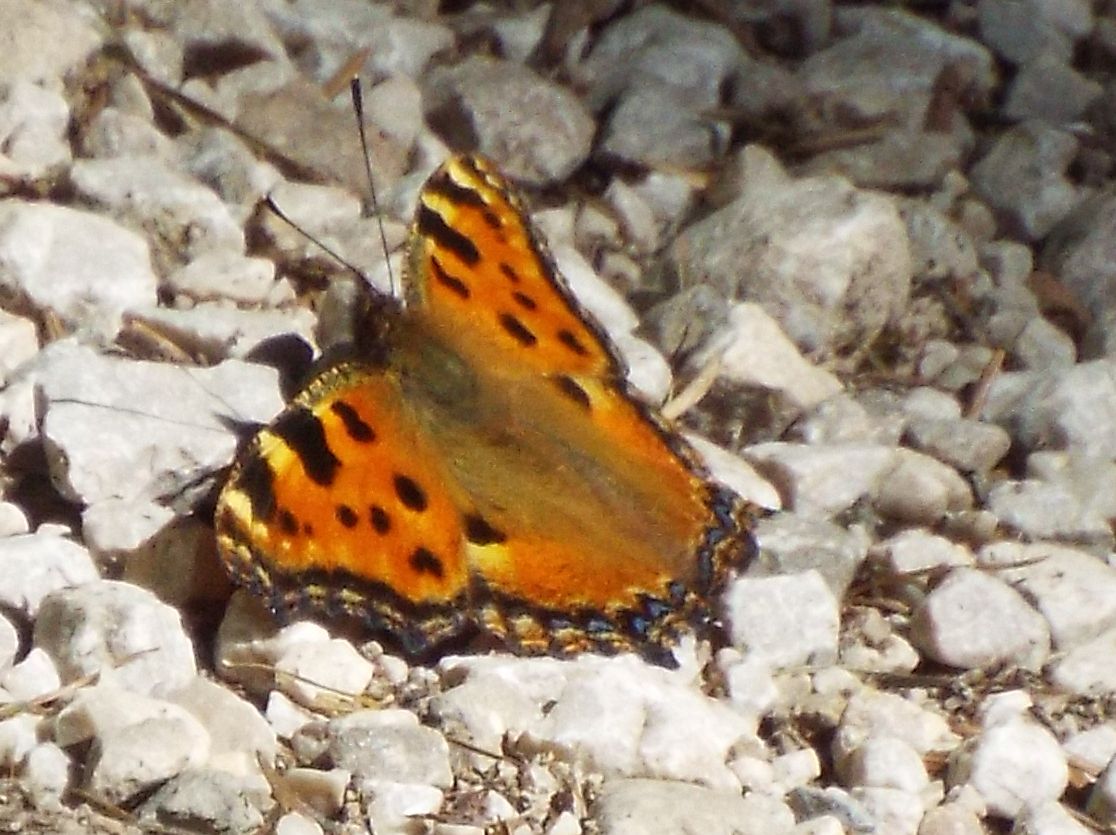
[{"x": 474, "y": 462}]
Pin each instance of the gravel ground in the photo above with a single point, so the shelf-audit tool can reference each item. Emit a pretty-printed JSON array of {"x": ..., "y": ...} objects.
[{"x": 882, "y": 237}]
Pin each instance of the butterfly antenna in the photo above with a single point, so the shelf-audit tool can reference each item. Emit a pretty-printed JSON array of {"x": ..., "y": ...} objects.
[
  {"x": 358, "y": 108},
  {"x": 332, "y": 253}
]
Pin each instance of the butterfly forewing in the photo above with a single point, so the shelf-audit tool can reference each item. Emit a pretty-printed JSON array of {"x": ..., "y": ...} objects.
[{"x": 481, "y": 275}]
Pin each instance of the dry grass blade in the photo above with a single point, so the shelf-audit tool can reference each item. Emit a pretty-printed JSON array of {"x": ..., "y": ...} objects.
[{"x": 984, "y": 384}]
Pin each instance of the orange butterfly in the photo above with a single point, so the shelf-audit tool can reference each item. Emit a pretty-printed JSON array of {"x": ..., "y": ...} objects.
[{"x": 476, "y": 462}]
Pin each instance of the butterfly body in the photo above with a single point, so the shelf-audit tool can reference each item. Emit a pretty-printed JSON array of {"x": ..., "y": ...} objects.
[{"x": 476, "y": 462}]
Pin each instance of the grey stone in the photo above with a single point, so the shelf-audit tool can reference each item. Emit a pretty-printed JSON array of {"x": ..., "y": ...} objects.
[
  {"x": 907, "y": 159},
  {"x": 389, "y": 745},
  {"x": 919, "y": 490},
  {"x": 208, "y": 800},
  {"x": 847, "y": 73},
  {"x": 656, "y": 127},
  {"x": 1087, "y": 668},
  {"x": 34, "y": 565},
  {"x": 19, "y": 342},
  {"x": 31, "y": 678},
  {"x": 1019, "y": 31},
  {"x": 842, "y": 419},
  {"x": 1052, "y": 818},
  {"x": 825, "y": 479},
  {"x": 785, "y": 620},
  {"x": 46, "y": 775},
  {"x": 119, "y": 631},
  {"x": 829, "y": 262},
  {"x": 1091, "y": 750},
  {"x": 1042, "y": 345},
  {"x": 43, "y": 41},
  {"x": 333, "y": 32},
  {"x": 9, "y": 643},
  {"x": 813, "y": 802},
  {"x": 224, "y": 274},
  {"x": 968, "y": 445},
  {"x": 116, "y": 133},
  {"x": 940, "y": 249},
  {"x": 18, "y": 737},
  {"x": 656, "y": 47},
  {"x": 215, "y": 331},
  {"x": 1044, "y": 510},
  {"x": 1024, "y": 176},
  {"x": 660, "y": 807},
  {"x": 951, "y": 819},
  {"x": 753, "y": 349},
  {"x": 870, "y": 713},
  {"x": 56, "y": 259},
  {"x": 1071, "y": 409},
  {"x": 891, "y": 810},
  {"x": 1101, "y": 804},
  {"x": 791, "y": 543},
  {"x": 114, "y": 429},
  {"x": 148, "y": 194},
  {"x": 33, "y": 124},
  {"x": 1081, "y": 252},
  {"x": 308, "y": 129},
  {"x": 221, "y": 160},
  {"x": 536, "y": 131},
  {"x": 1076, "y": 592},
  {"x": 242, "y": 740},
  {"x": 138, "y": 757},
  {"x": 1014, "y": 765},
  {"x": 884, "y": 762},
  {"x": 1010, "y": 262},
  {"x": 916, "y": 550},
  {"x": 1047, "y": 88},
  {"x": 974, "y": 620}
]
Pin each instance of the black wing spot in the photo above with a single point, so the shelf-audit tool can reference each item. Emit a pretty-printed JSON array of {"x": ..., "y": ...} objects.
[
  {"x": 410, "y": 493},
  {"x": 307, "y": 529},
  {"x": 455, "y": 192},
  {"x": 570, "y": 340},
  {"x": 451, "y": 282},
  {"x": 509, "y": 271},
  {"x": 303, "y": 433},
  {"x": 424, "y": 562},
  {"x": 517, "y": 330},
  {"x": 573, "y": 390},
  {"x": 357, "y": 429},
  {"x": 346, "y": 515},
  {"x": 434, "y": 226},
  {"x": 257, "y": 481},
  {"x": 525, "y": 301},
  {"x": 381, "y": 522},
  {"x": 479, "y": 532},
  {"x": 288, "y": 524},
  {"x": 493, "y": 220}
]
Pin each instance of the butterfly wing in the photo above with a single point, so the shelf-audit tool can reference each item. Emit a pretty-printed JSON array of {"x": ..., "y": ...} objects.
[
  {"x": 337, "y": 504},
  {"x": 479, "y": 274},
  {"x": 610, "y": 534}
]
